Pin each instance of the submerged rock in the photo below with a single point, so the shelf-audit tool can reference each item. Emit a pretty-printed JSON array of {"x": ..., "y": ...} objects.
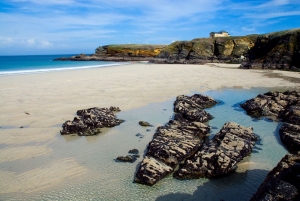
[
  {"x": 89, "y": 121},
  {"x": 219, "y": 156},
  {"x": 133, "y": 151},
  {"x": 128, "y": 158},
  {"x": 283, "y": 182},
  {"x": 144, "y": 123},
  {"x": 283, "y": 105}
]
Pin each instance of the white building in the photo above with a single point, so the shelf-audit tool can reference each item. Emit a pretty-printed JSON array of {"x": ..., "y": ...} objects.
[{"x": 219, "y": 34}]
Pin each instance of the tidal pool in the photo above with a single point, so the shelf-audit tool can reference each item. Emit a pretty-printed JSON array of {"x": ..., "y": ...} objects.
[{"x": 83, "y": 168}]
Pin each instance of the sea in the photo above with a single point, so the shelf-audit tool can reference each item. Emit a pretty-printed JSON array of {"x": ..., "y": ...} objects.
[
  {"x": 27, "y": 64},
  {"x": 110, "y": 180}
]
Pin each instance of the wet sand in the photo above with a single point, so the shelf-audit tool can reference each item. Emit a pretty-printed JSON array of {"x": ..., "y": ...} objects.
[{"x": 40, "y": 103}]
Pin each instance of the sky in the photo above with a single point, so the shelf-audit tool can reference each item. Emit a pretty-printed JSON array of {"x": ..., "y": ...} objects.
[{"x": 31, "y": 27}]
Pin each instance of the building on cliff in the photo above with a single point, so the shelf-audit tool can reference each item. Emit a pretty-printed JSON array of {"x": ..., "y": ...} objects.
[{"x": 219, "y": 34}]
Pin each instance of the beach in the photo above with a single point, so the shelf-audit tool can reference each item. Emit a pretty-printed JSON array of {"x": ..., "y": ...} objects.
[{"x": 34, "y": 106}]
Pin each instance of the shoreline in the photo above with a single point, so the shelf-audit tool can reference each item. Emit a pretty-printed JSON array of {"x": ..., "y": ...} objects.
[{"x": 41, "y": 102}]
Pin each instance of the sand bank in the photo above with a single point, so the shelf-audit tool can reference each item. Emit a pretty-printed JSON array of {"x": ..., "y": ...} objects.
[{"x": 40, "y": 103}]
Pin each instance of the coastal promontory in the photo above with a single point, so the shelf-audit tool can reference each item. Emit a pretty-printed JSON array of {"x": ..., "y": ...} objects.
[{"x": 277, "y": 50}]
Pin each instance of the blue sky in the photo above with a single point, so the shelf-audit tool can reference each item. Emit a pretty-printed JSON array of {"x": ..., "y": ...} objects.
[{"x": 80, "y": 26}]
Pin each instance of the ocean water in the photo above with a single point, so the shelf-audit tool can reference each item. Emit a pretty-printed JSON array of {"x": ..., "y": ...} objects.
[
  {"x": 108, "y": 180},
  {"x": 11, "y": 65}
]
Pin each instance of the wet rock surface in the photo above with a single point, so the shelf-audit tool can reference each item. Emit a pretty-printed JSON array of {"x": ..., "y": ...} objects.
[
  {"x": 144, "y": 123},
  {"x": 282, "y": 105},
  {"x": 283, "y": 182},
  {"x": 272, "y": 104},
  {"x": 177, "y": 140},
  {"x": 89, "y": 121},
  {"x": 290, "y": 136},
  {"x": 220, "y": 155},
  {"x": 128, "y": 158},
  {"x": 191, "y": 107}
]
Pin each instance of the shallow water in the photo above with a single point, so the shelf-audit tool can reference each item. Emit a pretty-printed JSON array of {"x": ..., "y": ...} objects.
[{"x": 101, "y": 178}]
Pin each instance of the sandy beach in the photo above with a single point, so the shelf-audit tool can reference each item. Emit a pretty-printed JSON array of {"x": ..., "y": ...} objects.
[{"x": 40, "y": 103}]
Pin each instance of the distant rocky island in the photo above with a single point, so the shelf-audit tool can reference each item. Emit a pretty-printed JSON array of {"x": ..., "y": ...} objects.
[{"x": 277, "y": 50}]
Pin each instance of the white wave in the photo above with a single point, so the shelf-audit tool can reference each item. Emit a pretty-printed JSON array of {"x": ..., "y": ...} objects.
[{"x": 18, "y": 72}]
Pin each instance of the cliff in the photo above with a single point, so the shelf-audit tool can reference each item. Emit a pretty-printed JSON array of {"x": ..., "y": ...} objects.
[
  {"x": 122, "y": 52},
  {"x": 204, "y": 50},
  {"x": 278, "y": 50}
]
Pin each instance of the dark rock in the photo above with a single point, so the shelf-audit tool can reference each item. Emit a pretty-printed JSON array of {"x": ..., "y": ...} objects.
[
  {"x": 144, "y": 123},
  {"x": 171, "y": 145},
  {"x": 219, "y": 156},
  {"x": 128, "y": 158},
  {"x": 285, "y": 106},
  {"x": 133, "y": 151},
  {"x": 191, "y": 108},
  {"x": 290, "y": 136},
  {"x": 177, "y": 140},
  {"x": 148, "y": 130},
  {"x": 283, "y": 182},
  {"x": 89, "y": 121},
  {"x": 139, "y": 135},
  {"x": 151, "y": 171}
]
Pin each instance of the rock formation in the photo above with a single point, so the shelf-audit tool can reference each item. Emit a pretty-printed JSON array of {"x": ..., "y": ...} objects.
[
  {"x": 128, "y": 52},
  {"x": 89, "y": 121},
  {"x": 285, "y": 106},
  {"x": 278, "y": 50},
  {"x": 176, "y": 141},
  {"x": 283, "y": 182},
  {"x": 220, "y": 155}
]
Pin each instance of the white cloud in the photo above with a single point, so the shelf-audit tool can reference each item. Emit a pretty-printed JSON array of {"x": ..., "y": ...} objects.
[
  {"x": 45, "y": 44},
  {"x": 31, "y": 41}
]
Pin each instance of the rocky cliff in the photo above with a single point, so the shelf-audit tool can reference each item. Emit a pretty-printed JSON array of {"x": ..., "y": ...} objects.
[
  {"x": 204, "y": 50},
  {"x": 125, "y": 52},
  {"x": 278, "y": 50}
]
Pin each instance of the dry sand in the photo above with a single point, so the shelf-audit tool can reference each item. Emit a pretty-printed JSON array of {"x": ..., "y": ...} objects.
[{"x": 42, "y": 102}]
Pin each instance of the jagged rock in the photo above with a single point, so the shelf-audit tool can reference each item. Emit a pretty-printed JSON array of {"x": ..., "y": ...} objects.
[
  {"x": 89, "y": 121},
  {"x": 128, "y": 158},
  {"x": 278, "y": 50},
  {"x": 133, "y": 151},
  {"x": 285, "y": 106},
  {"x": 283, "y": 182},
  {"x": 292, "y": 114},
  {"x": 177, "y": 140},
  {"x": 191, "y": 108},
  {"x": 144, "y": 123},
  {"x": 151, "y": 171},
  {"x": 271, "y": 103},
  {"x": 219, "y": 156},
  {"x": 171, "y": 145},
  {"x": 290, "y": 136}
]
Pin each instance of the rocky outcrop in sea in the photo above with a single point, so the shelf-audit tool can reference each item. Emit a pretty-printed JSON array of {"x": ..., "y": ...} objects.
[
  {"x": 90, "y": 121},
  {"x": 282, "y": 105},
  {"x": 177, "y": 140},
  {"x": 220, "y": 155},
  {"x": 283, "y": 182}
]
